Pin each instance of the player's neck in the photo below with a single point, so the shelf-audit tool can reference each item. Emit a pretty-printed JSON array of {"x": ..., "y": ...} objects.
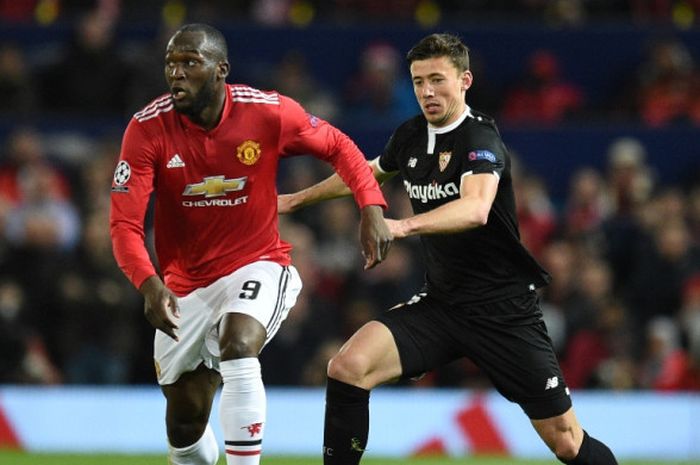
[{"x": 210, "y": 116}]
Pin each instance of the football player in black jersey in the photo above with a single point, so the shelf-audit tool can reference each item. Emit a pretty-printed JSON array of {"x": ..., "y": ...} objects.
[{"x": 479, "y": 299}]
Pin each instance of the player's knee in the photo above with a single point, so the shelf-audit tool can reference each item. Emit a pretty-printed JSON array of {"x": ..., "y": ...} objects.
[
  {"x": 564, "y": 447},
  {"x": 348, "y": 368},
  {"x": 240, "y": 347},
  {"x": 183, "y": 433}
]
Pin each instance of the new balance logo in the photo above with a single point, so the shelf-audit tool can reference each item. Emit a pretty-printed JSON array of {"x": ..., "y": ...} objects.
[
  {"x": 176, "y": 162},
  {"x": 552, "y": 383}
]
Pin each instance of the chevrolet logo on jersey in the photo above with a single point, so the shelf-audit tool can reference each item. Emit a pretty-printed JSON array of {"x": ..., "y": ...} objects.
[{"x": 215, "y": 186}]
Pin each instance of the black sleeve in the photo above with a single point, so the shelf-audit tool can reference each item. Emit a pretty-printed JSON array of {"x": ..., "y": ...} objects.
[
  {"x": 388, "y": 160},
  {"x": 485, "y": 151}
]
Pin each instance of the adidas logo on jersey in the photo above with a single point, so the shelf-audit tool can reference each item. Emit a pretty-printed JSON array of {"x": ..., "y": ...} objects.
[{"x": 176, "y": 162}]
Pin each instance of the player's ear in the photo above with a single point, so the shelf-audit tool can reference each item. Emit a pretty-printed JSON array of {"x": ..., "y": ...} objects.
[
  {"x": 223, "y": 69},
  {"x": 467, "y": 79}
]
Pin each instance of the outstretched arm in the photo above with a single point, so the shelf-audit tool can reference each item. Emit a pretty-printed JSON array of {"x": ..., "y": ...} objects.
[
  {"x": 332, "y": 187},
  {"x": 375, "y": 237}
]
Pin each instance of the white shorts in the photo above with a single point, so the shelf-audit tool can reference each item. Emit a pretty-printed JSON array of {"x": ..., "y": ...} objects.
[{"x": 264, "y": 290}]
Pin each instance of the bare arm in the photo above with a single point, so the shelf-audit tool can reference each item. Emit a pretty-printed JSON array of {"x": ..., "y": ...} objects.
[
  {"x": 471, "y": 210},
  {"x": 332, "y": 187},
  {"x": 160, "y": 306}
]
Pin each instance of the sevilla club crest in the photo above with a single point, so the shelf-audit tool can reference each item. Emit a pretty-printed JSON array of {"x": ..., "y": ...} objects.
[{"x": 444, "y": 160}]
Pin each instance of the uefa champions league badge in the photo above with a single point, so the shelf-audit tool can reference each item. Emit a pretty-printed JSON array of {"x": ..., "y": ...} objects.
[{"x": 122, "y": 173}]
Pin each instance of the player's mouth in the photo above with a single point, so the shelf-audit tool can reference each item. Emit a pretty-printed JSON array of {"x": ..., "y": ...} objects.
[
  {"x": 178, "y": 93},
  {"x": 431, "y": 107}
]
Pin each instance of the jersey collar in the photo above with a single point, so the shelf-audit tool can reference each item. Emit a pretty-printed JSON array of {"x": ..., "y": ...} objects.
[
  {"x": 451, "y": 126},
  {"x": 433, "y": 130},
  {"x": 224, "y": 115}
]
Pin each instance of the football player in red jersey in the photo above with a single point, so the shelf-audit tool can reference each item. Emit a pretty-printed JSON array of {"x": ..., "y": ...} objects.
[{"x": 209, "y": 151}]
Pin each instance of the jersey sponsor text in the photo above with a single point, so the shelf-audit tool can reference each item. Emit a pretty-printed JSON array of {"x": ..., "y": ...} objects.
[
  {"x": 432, "y": 191},
  {"x": 216, "y": 202}
]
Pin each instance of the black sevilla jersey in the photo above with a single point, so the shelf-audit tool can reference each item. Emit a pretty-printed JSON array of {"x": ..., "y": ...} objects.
[{"x": 479, "y": 265}]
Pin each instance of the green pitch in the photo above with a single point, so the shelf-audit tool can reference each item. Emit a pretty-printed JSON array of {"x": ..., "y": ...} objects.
[{"x": 15, "y": 458}]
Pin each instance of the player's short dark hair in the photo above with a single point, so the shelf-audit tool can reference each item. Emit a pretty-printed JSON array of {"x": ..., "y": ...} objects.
[
  {"x": 440, "y": 45},
  {"x": 215, "y": 40}
]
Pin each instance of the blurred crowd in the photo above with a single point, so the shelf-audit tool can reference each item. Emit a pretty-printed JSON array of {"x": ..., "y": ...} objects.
[
  {"x": 623, "y": 309},
  {"x": 425, "y": 12}
]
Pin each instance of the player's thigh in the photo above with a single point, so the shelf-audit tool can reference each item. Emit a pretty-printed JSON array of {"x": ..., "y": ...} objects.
[
  {"x": 369, "y": 358},
  {"x": 509, "y": 342},
  {"x": 173, "y": 358},
  {"x": 421, "y": 334},
  {"x": 264, "y": 291}
]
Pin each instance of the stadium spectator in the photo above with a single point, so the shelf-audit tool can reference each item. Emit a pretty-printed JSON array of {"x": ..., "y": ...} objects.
[
  {"x": 587, "y": 205},
  {"x": 665, "y": 362},
  {"x": 628, "y": 172},
  {"x": 537, "y": 217},
  {"x": 597, "y": 328},
  {"x": 292, "y": 77},
  {"x": 41, "y": 221},
  {"x": 25, "y": 153},
  {"x": 227, "y": 280},
  {"x": 542, "y": 95},
  {"x": 24, "y": 357},
  {"x": 664, "y": 89},
  {"x": 689, "y": 322},
  {"x": 90, "y": 77},
  {"x": 17, "y": 92},
  {"x": 379, "y": 92},
  {"x": 654, "y": 289},
  {"x": 693, "y": 201},
  {"x": 91, "y": 290},
  {"x": 560, "y": 258},
  {"x": 629, "y": 181}
]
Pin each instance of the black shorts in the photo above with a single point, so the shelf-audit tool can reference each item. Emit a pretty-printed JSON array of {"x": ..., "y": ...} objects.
[{"x": 507, "y": 340}]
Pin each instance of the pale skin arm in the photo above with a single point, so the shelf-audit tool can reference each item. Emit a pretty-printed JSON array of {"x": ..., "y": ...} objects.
[
  {"x": 374, "y": 234},
  {"x": 332, "y": 187},
  {"x": 471, "y": 210}
]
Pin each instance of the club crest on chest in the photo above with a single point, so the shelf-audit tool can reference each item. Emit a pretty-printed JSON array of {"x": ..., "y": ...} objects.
[{"x": 444, "y": 160}]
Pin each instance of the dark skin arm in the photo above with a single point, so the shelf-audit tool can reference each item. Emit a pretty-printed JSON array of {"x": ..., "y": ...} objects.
[
  {"x": 160, "y": 306},
  {"x": 374, "y": 235}
]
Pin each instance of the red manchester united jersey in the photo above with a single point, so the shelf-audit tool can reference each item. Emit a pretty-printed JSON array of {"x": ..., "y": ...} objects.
[{"x": 215, "y": 191}]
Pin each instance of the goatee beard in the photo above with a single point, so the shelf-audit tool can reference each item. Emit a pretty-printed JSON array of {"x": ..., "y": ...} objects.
[{"x": 204, "y": 98}]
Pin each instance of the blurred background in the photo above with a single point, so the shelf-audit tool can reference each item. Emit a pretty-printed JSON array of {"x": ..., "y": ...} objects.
[{"x": 598, "y": 100}]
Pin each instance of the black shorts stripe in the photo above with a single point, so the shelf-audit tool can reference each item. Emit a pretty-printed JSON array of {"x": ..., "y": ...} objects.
[
  {"x": 275, "y": 319},
  {"x": 244, "y": 443}
]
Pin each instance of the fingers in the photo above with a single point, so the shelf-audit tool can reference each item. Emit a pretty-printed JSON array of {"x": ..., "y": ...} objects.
[
  {"x": 376, "y": 253},
  {"x": 169, "y": 327},
  {"x": 385, "y": 247},
  {"x": 174, "y": 307},
  {"x": 159, "y": 318},
  {"x": 370, "y": 261}
]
